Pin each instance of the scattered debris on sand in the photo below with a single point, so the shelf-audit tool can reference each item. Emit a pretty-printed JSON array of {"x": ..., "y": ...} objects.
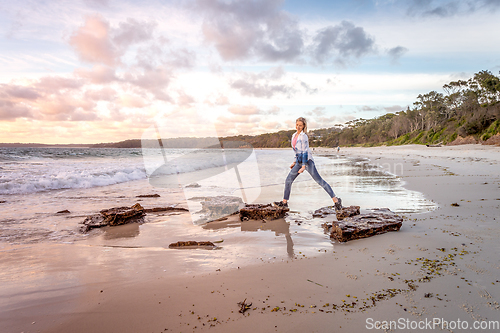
[
  {"x": 244, "y": 306},
  {"x": 192, "y": 245}
]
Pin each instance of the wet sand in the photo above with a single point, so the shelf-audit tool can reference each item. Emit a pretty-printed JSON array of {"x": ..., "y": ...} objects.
[{"x": 441, "y": 264}]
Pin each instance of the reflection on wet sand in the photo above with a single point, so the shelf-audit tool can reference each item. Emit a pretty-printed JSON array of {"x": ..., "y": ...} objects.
[
  {"x": 122, "y": 231},
  {"x": 278, "y": 226}
]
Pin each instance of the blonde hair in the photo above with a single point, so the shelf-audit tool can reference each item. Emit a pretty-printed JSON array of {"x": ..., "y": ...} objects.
[{"x": 304, "y": 121}]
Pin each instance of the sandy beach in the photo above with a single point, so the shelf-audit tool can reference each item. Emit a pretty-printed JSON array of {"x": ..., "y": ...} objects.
[{"x": 442, "y": 265}]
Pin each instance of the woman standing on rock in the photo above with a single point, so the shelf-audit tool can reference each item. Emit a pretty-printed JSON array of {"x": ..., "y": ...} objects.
[{"x": 304, "y": 161}]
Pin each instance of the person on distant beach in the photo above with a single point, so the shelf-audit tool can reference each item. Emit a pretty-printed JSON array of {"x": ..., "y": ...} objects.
[{"x": 304, "y": 161}]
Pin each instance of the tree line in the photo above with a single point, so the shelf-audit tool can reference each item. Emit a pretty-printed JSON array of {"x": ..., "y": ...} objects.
[{"x": 466, "y": 108}]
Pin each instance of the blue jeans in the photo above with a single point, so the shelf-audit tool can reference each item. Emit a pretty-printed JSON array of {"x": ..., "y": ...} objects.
[{"x": 311, "y": 168}]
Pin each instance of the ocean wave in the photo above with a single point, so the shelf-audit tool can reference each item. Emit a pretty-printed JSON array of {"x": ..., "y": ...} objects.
[
  {"x": 22, "y": 182},
  {"x": 44, "y": 174}
]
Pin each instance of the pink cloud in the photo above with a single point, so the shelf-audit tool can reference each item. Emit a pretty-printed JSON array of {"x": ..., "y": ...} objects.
[
  {"x": 98, "y": 74},
  {"x": 97, "y": 42},
  {"x": 272, "y": 125},
  {"x": 57, "y": 84},
  {"x": 92, "y": 42},
  {"x": 10, "y": 111},
  {"x": 184, "y": 99},
  {"x": 244, "y": 110},
  {"x": 155, "y": 81},
  {"x": 218, "y": 100},
  {"x": 131, "y": 101},
  {"x": 104, "y": 94},
  {"x": 65, "y": 107},
  {"x": 18, "y": 92},
  {"x": 241, "y": 29}
]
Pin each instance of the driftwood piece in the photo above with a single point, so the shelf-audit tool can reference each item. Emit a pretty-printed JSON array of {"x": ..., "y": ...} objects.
[
  {"x": 262, "y": 212},
  {"x": 341, "y": 214},
  {"x": 191, "y": 245},
  {"x": 364, "y": 225},
  {"x": 156, "y": 195}
]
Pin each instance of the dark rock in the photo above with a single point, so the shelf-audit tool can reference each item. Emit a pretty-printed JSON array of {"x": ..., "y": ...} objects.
[
  {"x": 364, "y": 225},
  {"x": 214, "y": 208},
  {"x": 347, "y": 212},
  {"x": 113, "y": 217},
  {"x": 63, "y": 212},
  {"x": 341, "y": 214},
  {"x": 3, "y": 201},
  {"x": 455, "y": 204},
  {"x": 262, "y": 212},
  {"x": 148, "y": 196},
  {"x": 191, "y": 244},
  {"x": 165, "y": 209},
  {"x": 324, "y": 211}
]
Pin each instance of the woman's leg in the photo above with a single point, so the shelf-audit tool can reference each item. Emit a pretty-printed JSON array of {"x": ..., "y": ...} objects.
[
  {"x": 289, "y": 180},
  {"x": 311, "y": 168}
]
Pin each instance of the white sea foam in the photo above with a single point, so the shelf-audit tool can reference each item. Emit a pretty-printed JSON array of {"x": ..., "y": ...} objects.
[
  {"x": 28, "y": 178},
  {"x": 35, "y": 170}
]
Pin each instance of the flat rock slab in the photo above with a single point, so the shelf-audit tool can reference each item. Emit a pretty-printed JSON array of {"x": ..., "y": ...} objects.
[
  {"x": 165, "y": 209},
  {"x": 214, "y": 208},
  {"x": 341, "y": 214},
  {"x": 262, "y": 212},
  {"x": 364, "y": 225},
  {"x": 113, "y": 217},
  {"x": 121, "y": 215},
  {"x": 192, "y": 245}
]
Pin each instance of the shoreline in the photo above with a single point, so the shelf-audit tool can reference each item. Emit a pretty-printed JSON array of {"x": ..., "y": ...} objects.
[{"x": 347, "y": 273}]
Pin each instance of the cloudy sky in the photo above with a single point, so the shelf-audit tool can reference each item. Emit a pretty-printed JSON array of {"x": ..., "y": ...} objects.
[{"x": 88, "y": 71}]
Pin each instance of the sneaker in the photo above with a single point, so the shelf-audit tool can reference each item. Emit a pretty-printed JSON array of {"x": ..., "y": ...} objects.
[
  {"x": 338, "y": 204},
  {"x": 281, "y": 204}
]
